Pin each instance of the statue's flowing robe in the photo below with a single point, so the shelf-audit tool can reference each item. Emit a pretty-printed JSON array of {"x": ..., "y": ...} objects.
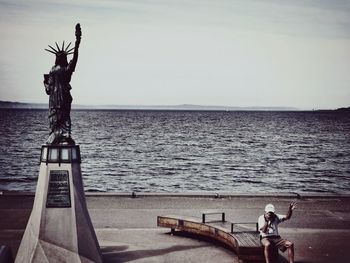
[{"x": 58, "y": 88}]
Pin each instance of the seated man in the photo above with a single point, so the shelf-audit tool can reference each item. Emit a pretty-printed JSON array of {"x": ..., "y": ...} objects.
[{"x": 268, "y": 226}]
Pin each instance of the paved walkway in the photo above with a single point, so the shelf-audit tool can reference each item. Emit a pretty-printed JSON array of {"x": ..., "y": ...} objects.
[{"x": 127, "y": 231}]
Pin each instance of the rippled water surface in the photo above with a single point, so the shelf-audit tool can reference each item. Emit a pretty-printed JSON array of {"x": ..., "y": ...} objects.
[{"x": 175, "y": 151}]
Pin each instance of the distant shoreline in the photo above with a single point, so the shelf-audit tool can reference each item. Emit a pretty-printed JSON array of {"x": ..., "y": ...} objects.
[{"x": 183, "y": 107}]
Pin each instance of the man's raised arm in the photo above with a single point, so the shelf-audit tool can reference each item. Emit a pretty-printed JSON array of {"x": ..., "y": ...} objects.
[{"x": 292, "y": 206}]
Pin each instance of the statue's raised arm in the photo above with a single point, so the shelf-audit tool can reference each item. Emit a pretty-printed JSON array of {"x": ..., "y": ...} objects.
[
  {"x": 73, "y": 62},
  {"x": 77, "y": 34},
  {"x": 58, "y": 88}
]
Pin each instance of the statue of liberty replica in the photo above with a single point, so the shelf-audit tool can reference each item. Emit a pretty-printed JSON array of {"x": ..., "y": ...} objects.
[
  {"x": 59, "y": 228},
  {"x": 58, "y": 88}
]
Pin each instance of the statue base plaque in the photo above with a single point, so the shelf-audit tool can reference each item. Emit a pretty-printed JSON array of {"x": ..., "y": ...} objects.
[{"x": 59, "y": 228}]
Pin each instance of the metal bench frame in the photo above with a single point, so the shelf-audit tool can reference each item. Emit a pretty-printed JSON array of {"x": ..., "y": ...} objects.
[{"x": 204, "y": 213}]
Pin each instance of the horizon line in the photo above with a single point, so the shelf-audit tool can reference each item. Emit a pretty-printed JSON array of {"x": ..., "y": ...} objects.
[
  {"x": 153, "y": 105},
  {"x": 164, "y": 106}
]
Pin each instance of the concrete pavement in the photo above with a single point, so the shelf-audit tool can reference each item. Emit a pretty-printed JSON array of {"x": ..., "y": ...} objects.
[{"x": 127, "y": 229}]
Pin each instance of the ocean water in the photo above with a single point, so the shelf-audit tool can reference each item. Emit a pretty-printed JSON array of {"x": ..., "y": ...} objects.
[{"x": 188, "y": 151}]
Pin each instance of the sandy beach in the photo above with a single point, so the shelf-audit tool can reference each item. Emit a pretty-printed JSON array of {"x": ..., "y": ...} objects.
[{"x": 127, "y": 229}]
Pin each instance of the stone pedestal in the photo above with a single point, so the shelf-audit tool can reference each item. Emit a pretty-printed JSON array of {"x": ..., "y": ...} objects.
[{"x": 59, "y": 228}]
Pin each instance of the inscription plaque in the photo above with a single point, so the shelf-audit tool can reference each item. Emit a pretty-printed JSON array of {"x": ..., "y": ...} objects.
[{"x": 58, "y": 194}]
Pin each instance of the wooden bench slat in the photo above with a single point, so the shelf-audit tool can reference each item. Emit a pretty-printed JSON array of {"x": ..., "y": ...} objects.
[
  {"x": 188, "y": 218},
  {"x": 248, "y": 239},
  {"x": 244, "y": 240}
]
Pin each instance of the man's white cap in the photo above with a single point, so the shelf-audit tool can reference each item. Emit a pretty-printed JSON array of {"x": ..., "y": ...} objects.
[{"x": 269, "y": 208}]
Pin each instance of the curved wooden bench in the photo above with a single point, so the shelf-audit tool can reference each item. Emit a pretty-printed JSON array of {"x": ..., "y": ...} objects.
[{"x": 244, "y": 242}]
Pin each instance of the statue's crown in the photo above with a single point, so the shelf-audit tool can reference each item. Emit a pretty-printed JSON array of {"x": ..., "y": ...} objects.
[{"x": 60, "y": 51}]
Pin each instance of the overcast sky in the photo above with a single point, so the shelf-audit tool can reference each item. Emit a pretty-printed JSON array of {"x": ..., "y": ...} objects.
[{"x": 160, "y": 52}]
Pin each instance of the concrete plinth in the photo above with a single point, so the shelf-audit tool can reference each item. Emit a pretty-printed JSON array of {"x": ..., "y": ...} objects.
[{"x": 59, "y": 228}]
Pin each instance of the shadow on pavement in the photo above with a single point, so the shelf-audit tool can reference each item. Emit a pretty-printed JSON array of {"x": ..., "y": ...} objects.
[
  {"x": 106, "y": 250},
  {"x": 116, "y": 256}
]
